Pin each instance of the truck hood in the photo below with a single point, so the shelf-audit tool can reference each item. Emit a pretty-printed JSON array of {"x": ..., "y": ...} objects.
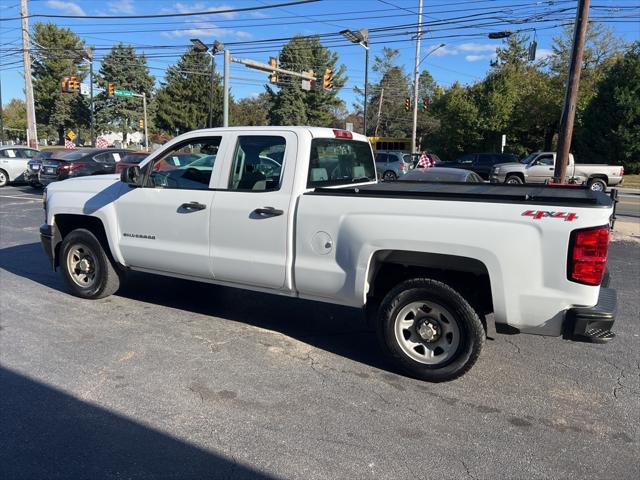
[
  {"x": 88, "y": 184},
  {"x": 511, "y": 166}
]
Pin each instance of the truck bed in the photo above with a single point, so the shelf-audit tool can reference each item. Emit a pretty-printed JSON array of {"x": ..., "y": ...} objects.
[{"x": 474, "y": 192}]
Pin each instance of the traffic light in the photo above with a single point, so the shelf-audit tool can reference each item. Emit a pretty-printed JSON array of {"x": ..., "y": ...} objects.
[
  {"x": 141, "y": 124},
  {"x": 74, "y": 85},
  {"x": 65, "y": 84},
  {"x": 111, "y": 90},
  {"x": 273, "y": 76},
  {"x": 407, "y": 104},
  {"x": 327, "y": 78}
]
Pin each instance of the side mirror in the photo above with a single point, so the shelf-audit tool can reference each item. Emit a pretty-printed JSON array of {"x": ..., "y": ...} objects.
[{"x": 131, "y": 176}]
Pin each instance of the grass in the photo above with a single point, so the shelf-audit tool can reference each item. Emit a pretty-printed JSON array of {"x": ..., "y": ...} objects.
[{"x": 631, "y": 181}]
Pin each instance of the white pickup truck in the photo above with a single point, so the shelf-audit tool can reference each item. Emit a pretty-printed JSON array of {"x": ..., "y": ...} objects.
[
  {"x": 296, "y": 211},
  {"x": 539, "y": 167}
]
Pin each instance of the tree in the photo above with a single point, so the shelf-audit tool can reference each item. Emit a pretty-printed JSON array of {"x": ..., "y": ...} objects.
[
  {"x": 58, "y": 53},
  {"x": 611, "y": 131},
  {"x": 182, "y": 103},
  {"x": 14, "y": 118},
  {"x": 291, "y": 104},
  {"x": 251, "y": 111},
  {"x": 388, "y": 97},
  {"x": 127, "y": 71}
]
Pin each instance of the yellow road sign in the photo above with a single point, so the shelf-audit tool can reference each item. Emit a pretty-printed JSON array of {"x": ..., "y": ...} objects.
[{"x": 71, "y": 135}]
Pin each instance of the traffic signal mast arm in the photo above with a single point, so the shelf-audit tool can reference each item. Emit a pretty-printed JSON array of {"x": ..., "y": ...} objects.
[{"x": 268, "y": 68}]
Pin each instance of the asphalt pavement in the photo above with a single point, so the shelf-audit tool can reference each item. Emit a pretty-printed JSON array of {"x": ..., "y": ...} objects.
[{"x": 175, "y": 379}]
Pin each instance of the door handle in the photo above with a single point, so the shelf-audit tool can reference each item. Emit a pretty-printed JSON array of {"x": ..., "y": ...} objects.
[
  {"x": 551, "y": 168},
  {"x": 193, "y": 206},
  {"x": 268, "y": 212}
]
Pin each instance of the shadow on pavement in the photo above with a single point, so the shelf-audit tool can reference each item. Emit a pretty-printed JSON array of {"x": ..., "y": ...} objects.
[
  {"x": 46, "y": 433},
  {"x": 340, "y": 330}
]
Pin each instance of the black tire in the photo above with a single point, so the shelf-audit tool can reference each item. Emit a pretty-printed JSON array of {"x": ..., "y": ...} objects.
[
  {"x": 470, "y": 330},
  {"x": 4, "y": 178},
  {"x": 513, "y": 180},
  {"x": 389, "y": 176},
  {"x": 597, "y": 185},
  {"x": 106, "y": 275}
]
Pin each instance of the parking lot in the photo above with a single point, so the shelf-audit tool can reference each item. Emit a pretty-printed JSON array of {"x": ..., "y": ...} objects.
[{"x": 175, "y": 379}]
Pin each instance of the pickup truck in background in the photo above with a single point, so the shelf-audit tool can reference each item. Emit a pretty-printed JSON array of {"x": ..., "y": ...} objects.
[
  {"x": 297, "y": 211},
  {"x": 538, "y": 168}
]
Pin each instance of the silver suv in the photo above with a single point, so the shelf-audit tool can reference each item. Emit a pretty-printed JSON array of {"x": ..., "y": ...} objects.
[{"x": 391, "y": 165}]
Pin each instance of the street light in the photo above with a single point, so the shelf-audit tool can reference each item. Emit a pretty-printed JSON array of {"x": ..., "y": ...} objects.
[
  {"x": 361, "y": 37},
  {"x": 200, "y": 47},
  {"x": 498, "y": 35},
  {"x": 430, "y": 52}
]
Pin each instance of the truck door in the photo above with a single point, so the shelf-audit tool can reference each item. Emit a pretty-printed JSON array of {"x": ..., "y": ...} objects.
[
  {"x": 252, "y": 210},
  {"x": 164, "y": 225},
  {"x": 541, "y": 169}
]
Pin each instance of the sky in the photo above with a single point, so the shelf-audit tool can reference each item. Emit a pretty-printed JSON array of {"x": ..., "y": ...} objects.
[{"x": 462, "y": 27}]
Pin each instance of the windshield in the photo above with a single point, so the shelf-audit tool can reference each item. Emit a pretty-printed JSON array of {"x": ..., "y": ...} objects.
[
  {"x": 337, "y": 161},
  {"x": 528, "y": 159}
]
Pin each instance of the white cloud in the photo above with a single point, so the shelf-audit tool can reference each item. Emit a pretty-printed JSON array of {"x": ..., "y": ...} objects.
[
  {"x": 121, "y": 6},
  {"x": 204, "y": 29},
  {"x": 475, "y": 58},
  {"x": 200, "y": 7},
  {"x": 70, "y": 8},
  {"x": 542, "y": 53},
  {"x": 476, "y": 48}
]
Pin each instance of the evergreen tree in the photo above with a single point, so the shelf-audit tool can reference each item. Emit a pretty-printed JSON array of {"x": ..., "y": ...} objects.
[
  {"x": 291, "y": 104},
  {"x": 58, "y": 53},
  {"x": 183, "y": 99},
  {"x": 612, "y": 121},
  {"x": 127, "y": 71}
]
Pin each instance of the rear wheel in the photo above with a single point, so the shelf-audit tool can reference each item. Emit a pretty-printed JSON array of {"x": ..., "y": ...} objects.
[
  {"x": 389, "y": 176},
  {"x": 514, "y": 180},
  {"x": 429, "y": 330},
  {"x": 597, "y": 185},
  {"x": 4, "y": 178},
  {"x": 86, "y": 268}
]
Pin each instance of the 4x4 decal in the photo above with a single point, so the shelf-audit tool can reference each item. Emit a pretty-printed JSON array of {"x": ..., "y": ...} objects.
[{"x": 539, "y": 214}]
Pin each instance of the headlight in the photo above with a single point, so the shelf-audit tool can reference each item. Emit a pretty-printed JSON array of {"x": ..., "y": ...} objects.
[{"x": 496, "y": 169}]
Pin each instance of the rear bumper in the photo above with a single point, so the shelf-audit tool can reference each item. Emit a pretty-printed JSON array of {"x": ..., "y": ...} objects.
[
  {"x": 48, "y": 239},
  {"x": 593, "y": 324}
]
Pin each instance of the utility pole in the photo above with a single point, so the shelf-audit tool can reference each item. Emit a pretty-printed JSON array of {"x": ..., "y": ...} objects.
[
  {"x": 416, "y": 80},
  {"x": 91, "y": 108},
  {"x": 144, "y": 110},
  {"x": 571, "y": 93},
  {"x": 375, "y": 134},
  {"x": 225, "y": 88},
  {"x": 28, "y": 86},
  {"x": 1, "y": 123}
]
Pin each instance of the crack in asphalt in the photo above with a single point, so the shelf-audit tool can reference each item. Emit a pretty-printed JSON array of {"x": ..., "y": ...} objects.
[
  {"x": 469, "y": 474},
  {"x": 514, "y": 345}
]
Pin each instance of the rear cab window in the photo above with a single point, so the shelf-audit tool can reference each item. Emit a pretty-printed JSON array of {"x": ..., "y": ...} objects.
[{"x": 339, "y": 161}]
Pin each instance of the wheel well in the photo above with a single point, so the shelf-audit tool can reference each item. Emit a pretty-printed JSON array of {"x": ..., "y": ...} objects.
[
  {"x": 515, "y": 174},
  {"x": 468, "y": 276},
  {"x": 599, "y": 176},
  {"x": 66, "y": 223}
]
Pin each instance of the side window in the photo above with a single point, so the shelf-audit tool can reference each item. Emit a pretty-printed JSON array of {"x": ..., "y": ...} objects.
[
  {"x": 382, "y": 157},
  {"x": 468, "y": 158},
  {"x": 10, "y": 153},
  {"x": 485, "y": 159},
  {"x": 393, "y": 158},
  {"x": 187, "y": 166},
  {"x": 106, "y": 157},
  {"x": 27, "y": 152},
  {"x": 257, "y": 163},
  {"x": 545, "y": 160}
]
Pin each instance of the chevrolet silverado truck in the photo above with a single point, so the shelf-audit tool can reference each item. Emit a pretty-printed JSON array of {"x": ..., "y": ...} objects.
[
  {"x": 538, "y": 168},
  {"x": 297, "y": 211}
]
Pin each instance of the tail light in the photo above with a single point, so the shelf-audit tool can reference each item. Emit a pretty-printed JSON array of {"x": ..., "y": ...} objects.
[
  {"x": 403, "y": 166},
  {"x": 343, "y": 134},
  {"x": 588, "y": 255},
  {"x": 71, "y": 167}
]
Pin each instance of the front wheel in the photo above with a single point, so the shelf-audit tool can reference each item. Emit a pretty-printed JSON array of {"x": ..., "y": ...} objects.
[
  {"x": 4, "y": 178},
  {"x": 86, "y": 268},
  {"x": 429, "y": 330},
  {"x": 514, "y": 180},
  {"x": 597, "y": 185}
]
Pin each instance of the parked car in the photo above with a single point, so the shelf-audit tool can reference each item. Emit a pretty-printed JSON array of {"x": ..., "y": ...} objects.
[
  {"x": 13, "y": 163},
  {"x": 425, "y": 261},
  {"x": 34, "y": 165},
  {"x": 391, "y": 165},
  {"x": 130, "y": 159},
  {"x": 441, "y": 174},
  {"x": 539, "y": 167},
  {"x": 79, "y": 163},
  {"x": 481, "y": 163}
]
